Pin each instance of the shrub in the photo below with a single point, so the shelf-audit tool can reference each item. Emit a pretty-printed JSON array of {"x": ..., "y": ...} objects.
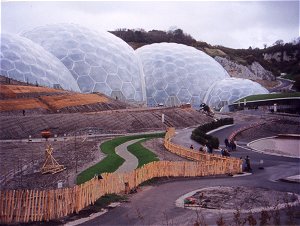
[{"x": 199, "y": 134}]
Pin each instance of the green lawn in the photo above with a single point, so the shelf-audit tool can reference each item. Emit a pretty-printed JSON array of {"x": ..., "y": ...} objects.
[
  {"x": 269, "y": 96},
  {"x": 112, "y": 161},
  {"x": 292, "y": 77},
  {"x": 142, "y": 154}
]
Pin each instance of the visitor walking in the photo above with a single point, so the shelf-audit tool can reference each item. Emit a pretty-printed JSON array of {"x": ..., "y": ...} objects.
[
  {"x": 191, "y": 147},
  {"x": 209, "y": 148},
  {"x": 205, "y": 149},
  {"x": 248, "y": 165},
  {"x": 226, "y": 143},
  {"x": 232, "y": 145},
  {"x": 201, "y": 149},
  {"x": 226, "y": 152}
]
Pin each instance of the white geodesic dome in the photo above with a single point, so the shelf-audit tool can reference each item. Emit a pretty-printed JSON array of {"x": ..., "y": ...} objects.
[
  {"x": 226, "y": 91},
  {"x": 177, "y": 74},
  {"x": 99, "y": 61},
  {"x": 25, "y": 61}
]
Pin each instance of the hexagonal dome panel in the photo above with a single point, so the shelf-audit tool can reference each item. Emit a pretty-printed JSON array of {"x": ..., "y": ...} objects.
[
  {"x": 228, "y": 90},
  {"x": 25, "y": 61},
  {"x": 99, "y": 55},
  {"x": 188, "y": 71}
]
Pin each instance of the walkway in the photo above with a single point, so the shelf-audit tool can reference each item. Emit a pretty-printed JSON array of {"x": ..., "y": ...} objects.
[
  {"x": 131, "y": 162},
  {"x": 143, "y": 206}
]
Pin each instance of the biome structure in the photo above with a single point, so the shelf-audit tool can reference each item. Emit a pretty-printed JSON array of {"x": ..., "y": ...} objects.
[
  {"x": 98, "y": 61},
  {"x": 25, "y": 61},
  {"x": 79, "y": 59}
]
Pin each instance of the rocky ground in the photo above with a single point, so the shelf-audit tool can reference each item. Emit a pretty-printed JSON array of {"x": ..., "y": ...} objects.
[{"x": 246, "y": 198}]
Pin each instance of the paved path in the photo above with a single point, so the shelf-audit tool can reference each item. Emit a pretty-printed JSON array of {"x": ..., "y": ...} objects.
[
  {"x": 155, "y": 205},
  {"x": 283, "y": 84},
  {"x": 131, "y": 162}
]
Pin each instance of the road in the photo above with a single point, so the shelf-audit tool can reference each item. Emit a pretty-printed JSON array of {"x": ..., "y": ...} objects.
[
  {"x": 155, "y": 205},
  {"x": 284, "y": 84}
]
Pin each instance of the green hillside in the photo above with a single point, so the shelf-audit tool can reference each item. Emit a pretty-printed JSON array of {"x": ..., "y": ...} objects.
[{"x": 284, "y": 58}]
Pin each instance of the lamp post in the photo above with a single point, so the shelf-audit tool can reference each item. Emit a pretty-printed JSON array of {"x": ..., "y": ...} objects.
[
  {"x": 65, "y": 137},
  {"x": 75, "y": 148},
  {"x": 32, "y": 160}
]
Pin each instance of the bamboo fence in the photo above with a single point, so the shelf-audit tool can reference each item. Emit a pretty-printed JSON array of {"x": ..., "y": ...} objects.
[{"x": 18, "y": 206}]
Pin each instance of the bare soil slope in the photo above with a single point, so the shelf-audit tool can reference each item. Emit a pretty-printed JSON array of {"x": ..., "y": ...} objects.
[
  {"x": 104, "y": 122},
  {"x": 36, "y": 100}
]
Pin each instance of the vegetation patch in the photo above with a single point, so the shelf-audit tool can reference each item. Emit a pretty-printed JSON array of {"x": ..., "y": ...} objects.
[
  {"x": 143, "y": 154},
  {"x": 199, "y": 134},
  {"x": 293, "y": 77},
  {"x": 269, "y": 96},
  {"x": 112, "y": 161},
  {"x": 105, "y": 200}
]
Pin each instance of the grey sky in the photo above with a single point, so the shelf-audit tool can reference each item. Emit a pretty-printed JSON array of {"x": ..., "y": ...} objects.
[{"x": 236, "y": 24}]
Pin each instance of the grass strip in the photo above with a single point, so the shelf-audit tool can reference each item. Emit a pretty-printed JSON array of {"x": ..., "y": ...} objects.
[
  {"x": 105, "y": 200},
  {"x": 143, "y": 154},
  {"x": 112, "y": 161},
  {"x": 292, "y": 76},
  {"x": 269, "y": 96}
]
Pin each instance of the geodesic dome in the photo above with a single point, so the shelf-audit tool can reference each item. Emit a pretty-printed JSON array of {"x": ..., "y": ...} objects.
[
  {"x": 177, "y": 74},
  {"x": 99, "y": 61},
  {"x": 25, "y": 61},
  {"x": 228, "y": 90}
]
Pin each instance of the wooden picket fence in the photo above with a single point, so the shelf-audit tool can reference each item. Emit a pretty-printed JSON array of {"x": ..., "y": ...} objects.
[
  {"x": 44, "y": 205},
  {"x": 232, "y": 163}
]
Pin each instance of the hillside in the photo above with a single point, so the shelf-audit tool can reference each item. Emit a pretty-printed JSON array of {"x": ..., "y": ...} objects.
[
  {"x": 258, "y": 63},
  {"x": 18, "y": 98},
  {"x": 114, "y": 121}
]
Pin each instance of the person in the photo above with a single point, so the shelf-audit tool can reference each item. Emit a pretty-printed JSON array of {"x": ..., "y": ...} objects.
[
  {"x": 222, "y": 152},
  {"x": 191, "y": 147},
  {"x": 205, "y": 149},
  {"x": 226, "y": 143},
  {"x": 209, "y": 149},
  {"x": 243, "y": 164},
  {"x": 23, "y": 112},
  {"x": 201, "y": 149},
  {"x": 226, "y": 153},
  {"x": 248, "y": 165},
  {"x": 232, "y": 145}
]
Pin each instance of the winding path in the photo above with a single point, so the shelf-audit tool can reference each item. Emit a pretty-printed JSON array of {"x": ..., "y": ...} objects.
[
  {"x": 155, "y": 205},
  {"x": 131, "y": 162}
]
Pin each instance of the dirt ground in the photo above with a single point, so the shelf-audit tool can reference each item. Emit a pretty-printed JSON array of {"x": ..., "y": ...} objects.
[
  {"x": 22, "y": 171},
  {"x": 271, "y": 128},
  {"x": 157, "y": 147},
  {"x": 246, "y": 198},
  {"x": 23, "y": 161}
]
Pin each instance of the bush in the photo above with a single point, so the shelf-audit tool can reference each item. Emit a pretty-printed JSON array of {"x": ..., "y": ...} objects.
[{"x": 199, "y": 134}]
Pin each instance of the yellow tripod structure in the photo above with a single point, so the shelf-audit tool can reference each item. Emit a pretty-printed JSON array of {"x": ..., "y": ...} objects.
[{"x": 51, "y": 165}]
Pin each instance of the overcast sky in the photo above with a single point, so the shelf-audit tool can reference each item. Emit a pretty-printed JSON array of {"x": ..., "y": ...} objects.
[{"x": 236, "y": 24}]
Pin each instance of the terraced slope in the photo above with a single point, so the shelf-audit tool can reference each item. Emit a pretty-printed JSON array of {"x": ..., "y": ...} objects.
[
  {"x": 22, "y": 104},
  {"x": 19, "y": 91},
  {"x": 35, "y": 100},
  {"x": 115, "y": 121}
]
